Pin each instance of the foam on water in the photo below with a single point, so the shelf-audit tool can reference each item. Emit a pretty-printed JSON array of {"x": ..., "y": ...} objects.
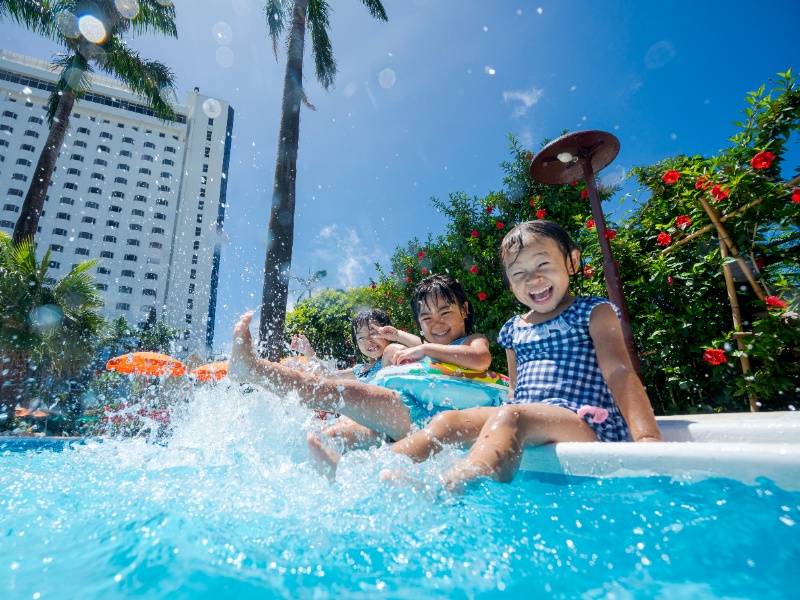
[{"x": 227, "y": 505}]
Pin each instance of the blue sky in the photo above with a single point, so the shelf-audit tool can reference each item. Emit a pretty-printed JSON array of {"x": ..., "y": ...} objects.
[{"x": 422, "y": 106}]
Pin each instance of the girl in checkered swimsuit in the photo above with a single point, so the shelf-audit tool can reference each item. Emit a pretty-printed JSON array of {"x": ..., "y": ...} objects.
[{"x": 562, "y": 390}]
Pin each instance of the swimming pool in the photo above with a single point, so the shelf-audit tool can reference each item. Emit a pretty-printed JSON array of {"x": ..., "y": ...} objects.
[{"x": 228, "y": 507}]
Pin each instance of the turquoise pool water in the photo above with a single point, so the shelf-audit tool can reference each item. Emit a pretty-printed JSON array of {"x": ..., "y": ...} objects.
[{"x": 228, "y": 507}]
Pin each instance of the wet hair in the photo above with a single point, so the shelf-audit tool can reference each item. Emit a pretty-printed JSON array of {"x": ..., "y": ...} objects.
[
  {"x": 364, "y": 318},
  {"x": 438, "y": 287},
  {"x": 515, "y": 240}
]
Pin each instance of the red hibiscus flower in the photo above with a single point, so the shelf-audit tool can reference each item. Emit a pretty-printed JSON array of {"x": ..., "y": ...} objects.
[
  {"x": 474, "y": 234},
  {"x": 420, "y": 254},
  {"x": 489, "y": 210},
  {"x": 718, "y": 192},
  {"x": 500, "y": 225},
  {"x": 714, "y": 356},
  {"x": 388, "y": 295},
  {"x": 541, "y": 213},
  {"x": 762, "y": 160},
  {"x": 408, "y": 270},
  {"x": 573, "y": 183},
  {"x": 473, "y": 269},
  {"x": 424, "y": 271},
  {"x": 533, "y": 201},
  {"x": 590, "y": 224},
  {"x": 669, "y": 279},
  {"x": 373, "y": 286},
  {"x": 408, "y": 279},
  {"x": 683, "y": 222},
  {"x": 481, "y": 296},
  {"x": 400, "y": 300},
  {"x": 610, "y": 234},
  {"x": 588, "y": 271},
  {"x": 775, "y": 302},
  {"x": 671, "y": 176},
  {"x": 585, "y": 194},
  {"x": 664, "y": 239},
  {"x": 391, "y": 272},
  {"x": 529, "y": 156},
  {"x": 702, "y": 183},
  {"x": 796, "y": 195}
]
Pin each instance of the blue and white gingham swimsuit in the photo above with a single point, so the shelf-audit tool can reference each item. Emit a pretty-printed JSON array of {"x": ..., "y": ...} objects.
[
  {"x": 363, "y": 372},
  {"x": 557, "y": 364}
]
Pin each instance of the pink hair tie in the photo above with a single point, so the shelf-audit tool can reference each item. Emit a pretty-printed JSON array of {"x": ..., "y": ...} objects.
[{"x": 598, "y": 414}]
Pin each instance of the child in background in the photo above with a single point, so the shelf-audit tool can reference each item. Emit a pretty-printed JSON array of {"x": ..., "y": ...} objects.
[
  {"x": 562, "y": 389},
  {"x": 443, "y": 314}
]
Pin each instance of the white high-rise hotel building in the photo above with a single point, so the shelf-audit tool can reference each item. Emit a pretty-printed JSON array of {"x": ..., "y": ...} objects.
[{"x": 144, "y": 196}]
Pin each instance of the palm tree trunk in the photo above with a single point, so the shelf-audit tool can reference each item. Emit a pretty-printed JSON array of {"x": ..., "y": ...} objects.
[
  {"x": 34, "y": 200},
  {"x": 278, "y": 261}
]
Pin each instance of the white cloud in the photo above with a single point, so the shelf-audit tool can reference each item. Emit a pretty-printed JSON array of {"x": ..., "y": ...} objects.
[
  {"x": 525, "y": 98},
  {"x": 352, "y": 257}
]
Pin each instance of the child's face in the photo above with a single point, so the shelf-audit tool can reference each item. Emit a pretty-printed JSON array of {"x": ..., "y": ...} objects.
[
  {"x": 539, "y": 276},
  {"x": 371, "y": 346},
  {"x": 442, "y": 322}
]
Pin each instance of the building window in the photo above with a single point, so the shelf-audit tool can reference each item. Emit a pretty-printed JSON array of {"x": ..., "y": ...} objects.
[
  {"x": 151, "y": 276},
  {"x": 11, "y": 208},
  {"x": 158, "y": 230},
  {"x": 29, "y": 148},
  {"x": 133, "y": 242},
  {"x": 208, "y": 135},
  {"x": 193, "y": 274},
  {"x": 131, "y": 257},
  {"x": 10, "y": 224},
  {"x": 143, "y": 184},
  {"x": 150, "y": 145},
  {"x": 151, "y": 260},
  {"x": 144, "y": 170},
  {"x": 70, "y": 186},
  {"x": 85, "y": 235},
  {"x": 7, "y": 128},
  {"x": 189, "y": 303},
  {"x": 101, "y": 161},
  {"x": 106, "y": 135},
  {"x": 110, "y": 238},
  {"x": 90, "y": 220},
  {"x": 202, "y": 192},
  {"x": 196, "y": 245},
  {"x": 9, "y": 114},
  {"x": 15, "y": 192},
  {"x": 135, "y": 226},
  {"x": 90, "y": 204},
  {"x": 105, "y": 149},
  {"x": 80, "y": 144},
  {"x": 4, "y": 143},
  {"x": 65, "y": 200},
  {"x": 156, "y": 245},
  {"x": 77, "y": 157},
  {"x": 125, "y": 289},
  {"x": 191, "y": 288},
  {"x": 207, "y": 152},
  {"x": 112, "y": 224},
  {"x": 95, "y": 190},
  {"x": 106, "y": 254},
  {"x": 169, "y": 149},
  {"x": 121, "y": 180},
  {"x": 117, "y": 194},
  {"x": 162, "y": 202},
  {"x": 74, "y": 171},
  {"x": 128, "y": 273},
  {"x": 19, "y": 177},
  {"x": 56, "y": 248},
  {"x": 168, "y": 162},
  {"x": 147, "y": 158},
  {"x": 148, "y": 292},
  {"x": 139, "y": 198},
  {"x": 123, "y": 306},
  {"x": 123, "y": 167},
  {"x": 84, "y": 130},
  {"x": 54, "y": 264},
  {"x": 205, "y": 168},
  {"x": 198, "y": 231},
  {"x": 161, "y": 188},
  {"x": 37, "y": 120},
  {"x": 82, "y": 251},
  {"x": 98, "y": 176},
  {"x": 188, "y": 318},
  {"x": 160, "y": 216},
  {"x": 136, "y": 212},
  {"x": 165, "y": 175},
  {"x": 127, "y": 140},
  {"x": 31, "y": 133},
  {"x": 103, "y": 271},
  {"x": 125, "y": 153},
  {"x": 58, "y": 231},
  {"x": 24, "y": 162},
  {"x": 194, "y": 259},
  {"x": 203, "y": 179},
  {"x": 63, "y": 216},
  {"x": 201, "y": 205}
]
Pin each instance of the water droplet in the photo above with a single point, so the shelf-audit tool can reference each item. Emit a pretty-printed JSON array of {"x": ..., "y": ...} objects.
[
  {"x": 489, "y": 70},
  {"x": 224, "y": 56},
  {"x": 659, "y": 54},
  {"x": 387, "y": 78},
  {"x": 223, "y": 34},
  {"x": 27, "y": 91},
  {"x": 212, "y": 108}
]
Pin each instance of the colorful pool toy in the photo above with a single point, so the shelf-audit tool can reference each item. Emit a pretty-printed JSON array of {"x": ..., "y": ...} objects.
[{"x": 444, "y": 385}]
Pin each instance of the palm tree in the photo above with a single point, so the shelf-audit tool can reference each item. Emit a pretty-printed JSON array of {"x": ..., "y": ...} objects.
[
  {"x": 47, "y": 327},
  {"x": 104, "y": 48},
  {"x": 281, "y": 219},
  {"x": 309, "y": 282}
]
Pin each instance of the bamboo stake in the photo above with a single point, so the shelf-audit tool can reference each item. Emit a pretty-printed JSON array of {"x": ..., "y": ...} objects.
[
  {"x": 724, "y": 237},
  {"x": 737, "y": 317}
]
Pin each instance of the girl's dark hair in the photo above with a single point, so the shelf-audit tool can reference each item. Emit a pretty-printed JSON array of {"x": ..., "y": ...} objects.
[
  {"x": 515, "y": 239},
  {"x": 441, "y": 287},
  {"x": 364, "y": 318}
]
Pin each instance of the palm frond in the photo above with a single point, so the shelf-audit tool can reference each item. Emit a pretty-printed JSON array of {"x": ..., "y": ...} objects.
[
  {"x": 276, "y": 21},
  {"x": 150, "y": 79},
  {"x": 155, "y": 17},
  {"x": 375, "y": 9},
  {"x": 37, "y": 16},
  {"x": 74, "y": 79},
  {"x": 319, "y": 22}
]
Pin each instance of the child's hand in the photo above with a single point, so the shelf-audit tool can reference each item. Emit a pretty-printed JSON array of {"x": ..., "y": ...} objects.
[
  {"x": 387, "y": 333},
  {"x": 301, "y": 344},
  {"x": 408, "y": 355}
]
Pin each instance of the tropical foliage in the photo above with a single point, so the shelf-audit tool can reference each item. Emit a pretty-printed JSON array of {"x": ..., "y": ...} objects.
[
  {"x": 315, "y": 15},
  {"x": 92, "y": 35}
]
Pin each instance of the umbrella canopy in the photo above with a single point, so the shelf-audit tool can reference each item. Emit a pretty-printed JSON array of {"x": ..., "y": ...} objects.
[
  {"x": 146, "y": 363},
  {"x": 211, "y": 371}
]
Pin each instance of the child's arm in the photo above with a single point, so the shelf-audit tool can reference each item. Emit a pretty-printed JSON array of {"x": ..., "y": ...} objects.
[
  {"x": 622, "y": 380},
  {"x": 301, "y": 344},
  {"x": 401, "y": 337},
  {"x": 511, "y": 357},
  {"x": 472, "y": 354}
]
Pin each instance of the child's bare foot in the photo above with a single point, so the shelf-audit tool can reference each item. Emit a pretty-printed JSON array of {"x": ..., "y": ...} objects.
[
  {"x": 324, "y": 459},
  {"x": 241, "y": 365}
]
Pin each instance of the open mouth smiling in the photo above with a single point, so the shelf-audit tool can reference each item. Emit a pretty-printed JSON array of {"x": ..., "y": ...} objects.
[{"x": 541, "y": 296}]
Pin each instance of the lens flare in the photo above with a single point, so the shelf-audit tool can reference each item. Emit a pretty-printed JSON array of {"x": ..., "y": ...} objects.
[
  {"x": 92, "y": 28},
  {"x": 387, "y": 78},
  {"x": 222, "y": 32},
  {"x": 225, "y": 57},
  {"x": 168, "y": 94},
  {"x": 164, "y": 2},
  {"x": 73, "y": 77},
  {"x": 67, "y": 24},
  {"x": 127, "y": 8},
  {"x": 45, "y": 317},
  {"x": 212, "y": 108}
]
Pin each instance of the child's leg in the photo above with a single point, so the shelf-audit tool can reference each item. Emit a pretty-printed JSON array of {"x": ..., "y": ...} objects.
[
  {"x": 377, "y": 408},
  {"x": 497, "y": 451},
  {"x": 353, "y": 436},
  {"x": 450, "y": 427}
]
